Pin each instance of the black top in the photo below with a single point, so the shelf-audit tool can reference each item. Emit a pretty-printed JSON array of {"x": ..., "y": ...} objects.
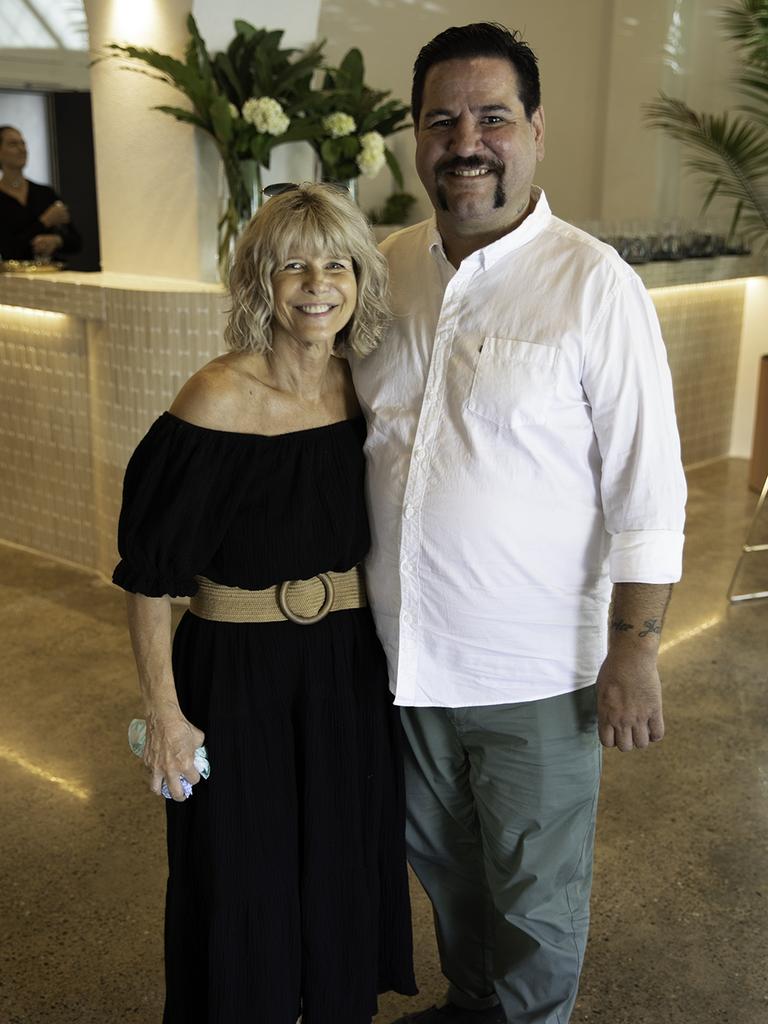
[
  {"x": 245, "y": 510},
  {"x": 19, "y": 224}
]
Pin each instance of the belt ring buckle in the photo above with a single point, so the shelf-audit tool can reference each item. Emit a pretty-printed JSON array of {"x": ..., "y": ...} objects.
[{"x": 306, "y": 620}]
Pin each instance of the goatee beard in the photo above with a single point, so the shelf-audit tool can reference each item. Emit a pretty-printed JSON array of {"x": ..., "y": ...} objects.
[{"x": 441, "y": 195}]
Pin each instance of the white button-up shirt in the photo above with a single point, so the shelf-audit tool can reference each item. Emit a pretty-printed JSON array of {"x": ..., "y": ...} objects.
[{"x": 522, "y": 454}]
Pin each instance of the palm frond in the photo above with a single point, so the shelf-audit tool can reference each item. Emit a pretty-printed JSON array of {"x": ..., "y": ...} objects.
[
  {"x": 729, "y": 150},
  {"x": 747, "y": 26}
]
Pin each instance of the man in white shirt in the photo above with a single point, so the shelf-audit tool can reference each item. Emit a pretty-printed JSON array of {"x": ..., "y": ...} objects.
[{"x": 523, "y": 467}]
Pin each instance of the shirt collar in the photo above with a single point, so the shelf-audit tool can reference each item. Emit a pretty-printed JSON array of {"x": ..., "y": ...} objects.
[{"x": 536, "y": 221}]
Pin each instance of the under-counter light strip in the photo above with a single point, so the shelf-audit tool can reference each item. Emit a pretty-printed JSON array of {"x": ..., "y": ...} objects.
[
  {"x": 698, "y": 286},
  {"x": 27, "y": 311},
  {"x": 43, "y": 773}
]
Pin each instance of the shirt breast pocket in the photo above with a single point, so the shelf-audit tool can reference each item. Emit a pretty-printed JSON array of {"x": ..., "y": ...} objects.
[{"x": 515, "y": 382}]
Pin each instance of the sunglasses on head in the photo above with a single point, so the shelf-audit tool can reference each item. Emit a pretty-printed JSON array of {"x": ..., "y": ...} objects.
[{"x": 279, "y": 187}]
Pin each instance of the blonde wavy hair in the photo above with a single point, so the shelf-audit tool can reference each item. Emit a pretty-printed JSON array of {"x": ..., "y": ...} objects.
[{"x": 310, "y": 218}]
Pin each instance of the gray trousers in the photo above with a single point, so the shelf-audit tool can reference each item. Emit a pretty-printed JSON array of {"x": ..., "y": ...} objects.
[{"x": 501, "y": 822}]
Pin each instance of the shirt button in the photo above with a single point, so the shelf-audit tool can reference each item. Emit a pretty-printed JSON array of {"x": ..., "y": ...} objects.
[
  {"x": 407, "y": 618},
  {"x": 409, "y": 511},
  {"x": 418, "y": 453}
]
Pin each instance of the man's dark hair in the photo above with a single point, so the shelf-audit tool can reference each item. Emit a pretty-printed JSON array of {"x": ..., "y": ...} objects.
[{"x": 482, "y": 39}]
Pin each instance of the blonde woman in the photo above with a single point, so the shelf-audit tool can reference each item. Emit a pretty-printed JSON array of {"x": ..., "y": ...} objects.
[{"x": 287, "y": 888}]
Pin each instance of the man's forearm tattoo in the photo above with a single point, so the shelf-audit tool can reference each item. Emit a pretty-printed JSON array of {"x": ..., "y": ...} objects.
[
  {"x": 620, "y": 626},
  {"x": 651, "y": 626}
]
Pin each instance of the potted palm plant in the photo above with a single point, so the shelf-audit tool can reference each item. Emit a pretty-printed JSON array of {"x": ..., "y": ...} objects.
[{"x": 730, "y": 150}]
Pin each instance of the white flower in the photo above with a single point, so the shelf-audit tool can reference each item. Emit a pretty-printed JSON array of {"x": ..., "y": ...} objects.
[
  {"x": 233, "y": 111},
  {"x": 339, "y": 124},
  {"x": 370, "y": 161},
  {"x": 372, "y": 142},
  {"x": 266, "y": 115}
]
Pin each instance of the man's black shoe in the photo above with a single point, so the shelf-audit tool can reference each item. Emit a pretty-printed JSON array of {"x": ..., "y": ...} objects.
[{"x": 452, "y": 1014}]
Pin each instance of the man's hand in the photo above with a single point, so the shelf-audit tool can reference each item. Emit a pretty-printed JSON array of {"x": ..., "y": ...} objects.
[
  {"x": 628, "y": 684},
  {"x": 629, "y": 701}
]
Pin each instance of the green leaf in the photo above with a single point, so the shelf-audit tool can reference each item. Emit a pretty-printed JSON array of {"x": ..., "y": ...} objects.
[
  {"x": 352, "y": 70},
  {"x": 329, "y": 151},
  {"x": 226, "y": 78},
  {"x": 244, "y": 29},
  {"x": 260, "y": 147},
  {"x": 349, "y": 146},
  {"x": 394, "y": 167},
  {"x": 184, "y": 115},
  {"x": 221, "y": 119},
  {"x": 735, "y": 219},
  {"x": 710, "y": 196}
]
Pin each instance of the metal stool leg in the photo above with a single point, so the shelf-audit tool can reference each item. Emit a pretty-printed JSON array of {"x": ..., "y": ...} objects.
[{"x": 749, "y": 549}]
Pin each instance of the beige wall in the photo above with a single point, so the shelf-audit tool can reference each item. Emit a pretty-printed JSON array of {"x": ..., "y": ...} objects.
[{"x": 600, "y": 59}]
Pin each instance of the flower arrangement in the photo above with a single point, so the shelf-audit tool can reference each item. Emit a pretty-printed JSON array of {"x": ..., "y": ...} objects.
[
  {"x": 257, "y": 95},
  {"x": 351, "y": 121},
  {"x": 248, "y": 99}
]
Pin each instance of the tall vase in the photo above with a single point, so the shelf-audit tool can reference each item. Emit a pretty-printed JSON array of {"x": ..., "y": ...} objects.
[
  {"x": 323, "y": 176},
  {"x": 239, "y": 198}
]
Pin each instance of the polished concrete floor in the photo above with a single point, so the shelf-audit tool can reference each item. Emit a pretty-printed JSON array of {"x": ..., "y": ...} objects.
[{"x": 680, "y": 907}]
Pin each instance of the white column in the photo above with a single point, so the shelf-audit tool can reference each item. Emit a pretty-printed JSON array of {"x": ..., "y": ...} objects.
[{"x": 149, "y": 188}]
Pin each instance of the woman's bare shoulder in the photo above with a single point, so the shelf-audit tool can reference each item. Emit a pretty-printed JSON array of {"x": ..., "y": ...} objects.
[{"x": 212, "y": 397}]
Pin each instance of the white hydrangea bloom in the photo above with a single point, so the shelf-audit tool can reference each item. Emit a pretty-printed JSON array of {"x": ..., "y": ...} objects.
[
  {"x": 370, "y": 161},
  {"x": 339, "y": 124},
  {"x": 266, "y": 115},
  {"x": 373, "y": 142}
]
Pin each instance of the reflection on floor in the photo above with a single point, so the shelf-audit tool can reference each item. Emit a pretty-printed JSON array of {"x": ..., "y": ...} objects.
[{"x": 680, "y": 907}]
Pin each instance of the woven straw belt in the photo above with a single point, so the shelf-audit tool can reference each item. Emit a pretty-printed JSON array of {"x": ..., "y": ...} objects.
[{"x": 302, "y": 601}]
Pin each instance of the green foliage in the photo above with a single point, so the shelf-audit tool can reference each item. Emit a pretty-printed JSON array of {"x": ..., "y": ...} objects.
[
  {"x": 343, "y": 89},
  {"x": 254, "y": 64},
  {"x": 730, "y": 150},
  {"x": 395, "y": 210}
]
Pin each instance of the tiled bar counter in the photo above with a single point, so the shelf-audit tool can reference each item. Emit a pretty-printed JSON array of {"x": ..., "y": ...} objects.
[{"x": 87, "y": 361}]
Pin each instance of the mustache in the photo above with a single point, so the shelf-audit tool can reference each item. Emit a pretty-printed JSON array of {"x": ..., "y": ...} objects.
[{"x": 468, "y": 163}]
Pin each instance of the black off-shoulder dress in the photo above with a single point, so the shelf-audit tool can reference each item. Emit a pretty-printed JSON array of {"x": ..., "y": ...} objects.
[{"x": 287, "y": 887}]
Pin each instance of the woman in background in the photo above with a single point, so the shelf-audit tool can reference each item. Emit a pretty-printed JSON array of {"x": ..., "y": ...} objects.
[
  {"x": 287, "y": 888},
  {"x": 34, "y": 222}
]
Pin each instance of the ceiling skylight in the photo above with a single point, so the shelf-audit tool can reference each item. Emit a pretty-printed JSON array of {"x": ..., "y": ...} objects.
[{"x": 43, "y": 24}]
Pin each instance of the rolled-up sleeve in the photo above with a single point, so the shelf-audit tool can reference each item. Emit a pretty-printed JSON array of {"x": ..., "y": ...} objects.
[{"x": 627, "y": 382}]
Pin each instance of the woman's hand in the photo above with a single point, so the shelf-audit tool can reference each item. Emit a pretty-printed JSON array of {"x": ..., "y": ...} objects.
[
  {"x": 56, "y": 215},
  {"x": 46, "y": 245},
  {"x": 170, "y": 747}
]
